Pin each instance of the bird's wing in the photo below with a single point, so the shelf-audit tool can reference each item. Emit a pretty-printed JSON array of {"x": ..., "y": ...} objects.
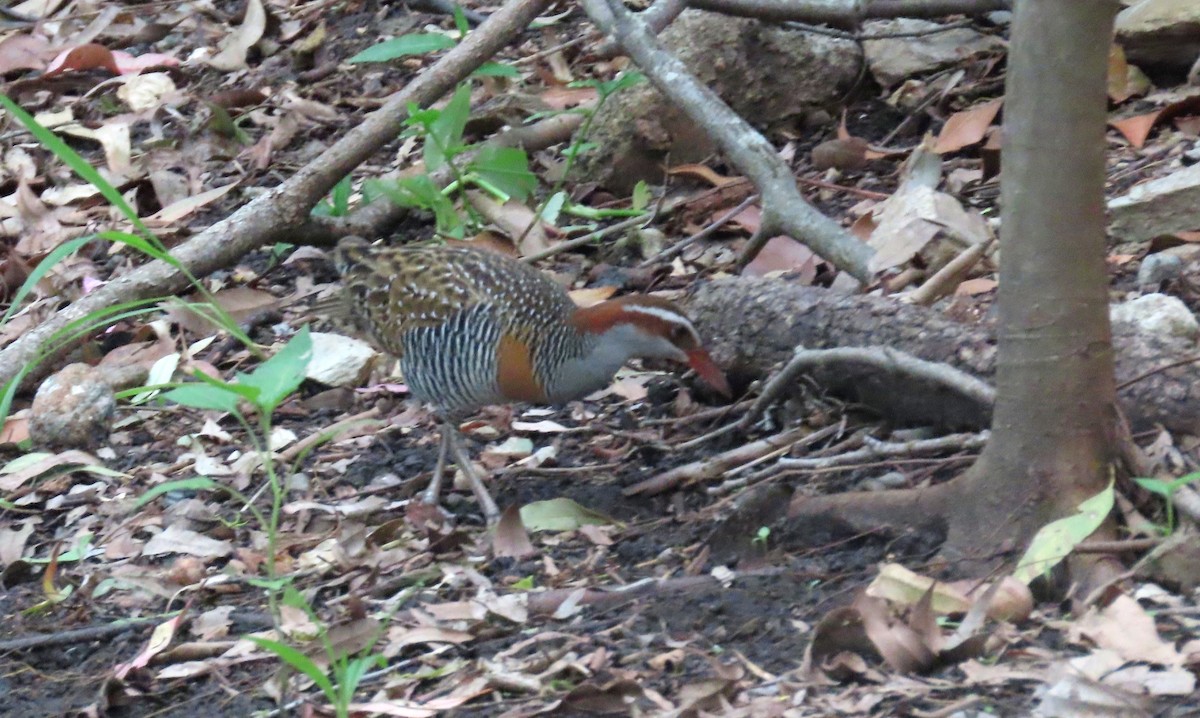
[{"x": 391, "y": 291}]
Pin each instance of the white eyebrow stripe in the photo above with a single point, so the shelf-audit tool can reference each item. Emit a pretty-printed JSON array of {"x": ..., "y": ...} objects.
[{"x": 664, "y": 314}]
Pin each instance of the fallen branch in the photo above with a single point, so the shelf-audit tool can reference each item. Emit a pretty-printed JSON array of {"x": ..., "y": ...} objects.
[
  {"x": 902, "y": 367},
  {"x": 847, "y": 14},
  {"x": 753, "y": 325},
  {"x": 875, "y": 449},
  {"x": 81, "y": 635}
]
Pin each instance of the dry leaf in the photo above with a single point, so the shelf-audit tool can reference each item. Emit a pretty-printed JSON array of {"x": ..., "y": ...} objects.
[
  {"x": 562, "y": 98},
  {"x": 590, "y": 296},
  {"x": 1125, "y": 628},
  {"x": 967, "y": 127},
  {"x": 1137, "y": 128},
  {"x": 512, "y": 218},
  {"x": 146, "y": 92},
  {"x": 912, "y": 217},
  {"x": 174, "y": 539},
  {"x": 846, "y": 154},
  {"x": 511, "y": 540},
  {"x": 176, "y": 211},
  {"x": 971, "y": 287},
  {"x": 784, "y": 254},
  {"x": 704, "y": 173},
  {"x": 22, "y": 52},
  {"x": 236, "y": 44}
]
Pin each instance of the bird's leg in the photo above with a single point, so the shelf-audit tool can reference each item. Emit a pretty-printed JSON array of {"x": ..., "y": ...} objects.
[
  {"x": 433, "y": 492},
  {"x": 490, "y": 511}
]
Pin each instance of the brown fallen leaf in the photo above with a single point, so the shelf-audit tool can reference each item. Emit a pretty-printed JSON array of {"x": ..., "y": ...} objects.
[
  {"x": 240, "y": 302},
  {"x": 784, "y": 254},
  {"x": 1124, "y": 627},
  {"x": 23, "y": 51},
  {"x": 1124, "y": 80},
  {"x": 176, "y": 211},
  {"x": 702, "y": 172},
  {"x": 562, "y": 97},
  {"x": 1137, "y": 128},
  {"x": 237, "y": 44},
  {"x": 510, "y": 539},
  {"x": 592, "y": 295},
  {"x": 971, "y": 287},
  {"x": 968, "y": 127},
  {"x": 513, "y": 218}
]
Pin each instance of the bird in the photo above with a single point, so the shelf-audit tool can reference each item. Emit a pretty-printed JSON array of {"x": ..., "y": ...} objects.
[{"x": 474, "y": 328}]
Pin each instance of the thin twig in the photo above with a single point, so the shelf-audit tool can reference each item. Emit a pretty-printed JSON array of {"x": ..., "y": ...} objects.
[
  {"x": 876, "y": 449},
  {"x": 705, "y": 233},
  {"x": 1140, "y": 544},
  {"x": 715, "y": 465},
  {"x": 947, "y": 279},
  {"x": 332, "y": 432},
  {"x": 528, "y": 59},
  {"x": 1158, "y": 370},
  {"x": 83, "y": 635},
  {"x": 715, "y": 412},
  {"x": 586, "y": 239}
]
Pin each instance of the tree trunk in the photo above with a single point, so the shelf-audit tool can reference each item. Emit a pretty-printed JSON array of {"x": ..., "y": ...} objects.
[{"x": 1054, "y": 420}]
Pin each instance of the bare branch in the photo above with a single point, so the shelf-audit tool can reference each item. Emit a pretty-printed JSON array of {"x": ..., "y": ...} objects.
[
  {"x": 784, "y": 208},
  {"x": 847, "y": 14}
]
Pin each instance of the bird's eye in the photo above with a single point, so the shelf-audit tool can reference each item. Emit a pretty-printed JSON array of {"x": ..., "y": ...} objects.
[{"x": 679, "y": 334}]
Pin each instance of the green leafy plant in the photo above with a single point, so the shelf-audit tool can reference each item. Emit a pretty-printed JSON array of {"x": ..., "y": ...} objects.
[
  {"x": 417, "y": 43},
  {"x": 421, "y": 43},
  {"x": 502, "y": 172},
  {"x": 558, "y": 202},
  {"x": 338, "y": 204},
  {"x": 761, "y": 536},
  {"x": 262, "y": 389},
  {"x": 1167, "y": 489},
  {"x": 345, "y": 672}
]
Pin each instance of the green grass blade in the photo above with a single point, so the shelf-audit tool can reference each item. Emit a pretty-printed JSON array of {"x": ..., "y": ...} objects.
[
  {"x": 300, "y": 662},
  {"x": 199, "y": 483},
  {"x": 41, "y": 270},
  {"x": 73, "y": 160}
]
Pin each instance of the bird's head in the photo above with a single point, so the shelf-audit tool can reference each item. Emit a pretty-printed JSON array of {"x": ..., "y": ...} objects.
[{"x": 652, "y": 327}]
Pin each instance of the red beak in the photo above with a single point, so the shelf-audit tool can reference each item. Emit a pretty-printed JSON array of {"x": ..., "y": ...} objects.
[{"x": 708, "y": 371}]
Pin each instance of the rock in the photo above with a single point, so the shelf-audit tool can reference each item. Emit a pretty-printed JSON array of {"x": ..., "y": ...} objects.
[
  {"x": 772, "y": 76},
  {"x": 339, "y": 360},
  {"x": 842, "y": 154},
  {"x": 1157, "y": 269},
  {"x": 72, "y": 409},
  {"x": 1162, "y": 206},
  {"x": 1160, "y": 32},
  {"x": 895, "y": 59},
  {"x": 1158, "y": 314}
]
